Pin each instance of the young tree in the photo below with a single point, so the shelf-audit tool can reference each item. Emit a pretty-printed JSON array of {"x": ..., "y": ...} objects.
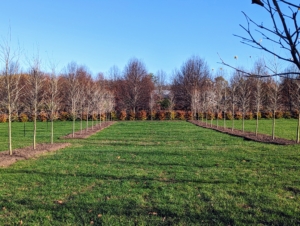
[
  {"x": 244, "y": 92},
  {"x": 72, "y": 89},
  {"x": 274, "y": 90},
  {"x": 258, "y": 100},
  {"x": 233, "y": 95},
  {"x": 35, "y": 91},
  {"x": 104, "y": 97},
  {"x": 10, "y": 89},
  {"x": 224, "y": 101},
  {"x": 219, "y": 81},
  {"x": 81, "y": 105},
  {"x": 52, "y": 97},
  {"x": 87, "y": 89},
  {"x": 210, "y": 99},
  {"x": 257, "y": 92}
]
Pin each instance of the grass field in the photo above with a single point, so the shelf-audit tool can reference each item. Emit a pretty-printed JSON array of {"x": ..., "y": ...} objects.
[
  {"x": 285, "y": 128},
  {"x": 22, "y": 132},
  {"x": 155, "y": 173}
]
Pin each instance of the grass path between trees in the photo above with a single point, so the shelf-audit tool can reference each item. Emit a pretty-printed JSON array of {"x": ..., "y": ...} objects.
[{"x": 155, "y": 173}]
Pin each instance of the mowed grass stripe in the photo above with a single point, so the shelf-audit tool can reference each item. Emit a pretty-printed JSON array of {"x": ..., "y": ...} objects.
[{"x": 147, "y": 173}]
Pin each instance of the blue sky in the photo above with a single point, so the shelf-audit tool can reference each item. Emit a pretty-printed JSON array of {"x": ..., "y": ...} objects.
[{"x": 102, "y": 33}]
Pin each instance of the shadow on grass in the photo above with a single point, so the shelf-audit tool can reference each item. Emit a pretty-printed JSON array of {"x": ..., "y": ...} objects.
[
  {"x": 134, "y": 178},
  {"x": 129, "y": 211},
  {"x": 126, "y": 211}
]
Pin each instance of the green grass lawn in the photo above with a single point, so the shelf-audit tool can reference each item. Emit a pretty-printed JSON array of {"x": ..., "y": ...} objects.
[
  {"x": 22, "y": 132},
  {"x": 285, "y": 128},
  {"x": 155, "y": 173}
]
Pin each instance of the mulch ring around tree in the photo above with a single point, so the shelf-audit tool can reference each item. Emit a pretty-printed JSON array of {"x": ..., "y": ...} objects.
[
  {"x": 90, "y": 131},
  {"x": 263, "y": 138},
  {"x": 28, "y": 152}
]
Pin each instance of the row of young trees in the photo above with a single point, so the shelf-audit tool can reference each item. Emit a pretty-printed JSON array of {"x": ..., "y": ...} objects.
[
  {"x": 74, "y": 90},
  {"x": 197, "y": 90}
]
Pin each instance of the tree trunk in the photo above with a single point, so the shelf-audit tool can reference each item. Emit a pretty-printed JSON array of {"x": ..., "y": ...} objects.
[
  {"x": 243, "y": 122},
  {"x": 52, "y": 126},
  {"x": 9, "y": 131},
  {"x": 224, "y": 122},
  {"x": 73, "y": 126},
  {"x": 34, "y": 131},
  {"x": 273, "y": 126},
  {"x": 92, "y": 120},
  {"x": 81, "y": 122},
  {"x": 52, "y": 130},
  {"x": 87, "y": 120},
  {"x": 100, "y": 118},
  {"x": 218, "y": 118},
  {"x": 232, "y": 128},
  {"x": 256, "y": 127},
  {"x": 298, "y": 128}
]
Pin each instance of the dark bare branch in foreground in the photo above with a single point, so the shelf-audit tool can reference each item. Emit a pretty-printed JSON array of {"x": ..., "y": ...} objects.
[
  {"x": 283, "y": 33},
  {"x": 251, "y": 74}
]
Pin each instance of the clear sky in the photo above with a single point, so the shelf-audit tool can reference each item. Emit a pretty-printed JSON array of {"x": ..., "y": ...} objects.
[{"x": 102, "y": 33}]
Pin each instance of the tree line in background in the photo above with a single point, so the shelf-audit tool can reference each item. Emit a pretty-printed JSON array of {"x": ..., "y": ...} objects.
[{"x": 195, "y": 92}]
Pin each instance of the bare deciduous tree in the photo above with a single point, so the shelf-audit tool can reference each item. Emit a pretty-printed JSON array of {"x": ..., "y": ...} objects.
[
  {"x": 188, "y": 83},
  {"x": 136, "y": 86},
  {"x": 258, "y": 100},
  {"x": 35, "y": 91},
  {"x": 233, "y": 96},
  {"x": 257, "y": 93},
  {"x": 72, "y": 86},
  {"x": 274, "y": 90},
  {"x": 52, "y": 97},
  {"x": 87, "y": 89},
  {"x": 10, "y": 78},
  {"x": 244, "y": 92},
  {"x": 218, "y": 85},
  {"x": 224, "y": 101}
]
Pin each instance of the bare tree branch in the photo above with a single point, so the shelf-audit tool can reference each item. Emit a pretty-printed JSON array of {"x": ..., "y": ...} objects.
[{"x": 280, "y": 33}]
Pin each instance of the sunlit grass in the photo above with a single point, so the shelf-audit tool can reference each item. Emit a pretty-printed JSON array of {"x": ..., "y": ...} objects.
[
  {"x": 155, "y": 173},
  {"x": 284, "y": 128},
  {"x": 22, "y": 132}
]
